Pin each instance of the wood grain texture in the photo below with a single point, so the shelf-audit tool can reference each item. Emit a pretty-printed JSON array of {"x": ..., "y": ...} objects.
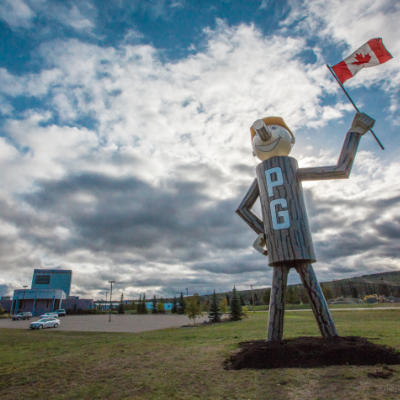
[
  {"x": 343, "y": 167},
  {"x": 317, "y": 300},
  {"x": 244, "y": 209},
  {"x": 277, "y": 303},
  {"x": 292, "y": 244}
]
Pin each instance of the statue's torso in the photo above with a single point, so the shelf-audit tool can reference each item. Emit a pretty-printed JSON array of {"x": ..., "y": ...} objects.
[{"x": 284, "y": 212}]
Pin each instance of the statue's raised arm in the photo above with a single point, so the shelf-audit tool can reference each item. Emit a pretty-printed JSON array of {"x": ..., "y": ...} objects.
[{"x": 362, "y": 123}]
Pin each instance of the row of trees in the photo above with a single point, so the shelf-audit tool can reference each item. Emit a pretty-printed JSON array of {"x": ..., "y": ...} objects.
[
  {"x": 294, "y": 295},
  {"x": 217, "y": 309}
]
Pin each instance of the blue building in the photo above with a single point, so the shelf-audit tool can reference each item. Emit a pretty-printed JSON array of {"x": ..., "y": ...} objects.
[
  {"x": 167, "y": 306},
  {"x": 50, "y": 287},
  {"x": 52, "y": 279}
]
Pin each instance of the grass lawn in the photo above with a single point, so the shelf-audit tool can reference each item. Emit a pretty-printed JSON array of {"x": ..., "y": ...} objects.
[
  {"x": 186, "y": 363},
  {"x": 331, "y": 306}
]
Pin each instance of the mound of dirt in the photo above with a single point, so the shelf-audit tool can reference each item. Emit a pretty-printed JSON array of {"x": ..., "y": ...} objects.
[{"x": 311, "y": 352}]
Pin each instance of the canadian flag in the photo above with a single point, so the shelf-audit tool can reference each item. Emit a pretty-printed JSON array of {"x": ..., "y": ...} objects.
[{"x": 370, "y": 54}]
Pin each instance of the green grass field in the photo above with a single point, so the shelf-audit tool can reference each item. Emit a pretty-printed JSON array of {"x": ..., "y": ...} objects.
[{"x": 186, "y": 363}]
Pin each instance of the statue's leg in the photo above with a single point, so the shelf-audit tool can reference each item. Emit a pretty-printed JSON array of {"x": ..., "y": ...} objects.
[
  {"x": 277, "y": 303},
  {"x": 317, "y": 300}
]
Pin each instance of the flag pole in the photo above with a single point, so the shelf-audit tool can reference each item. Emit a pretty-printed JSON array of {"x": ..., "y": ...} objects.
[{"x": 352, "y": 102}]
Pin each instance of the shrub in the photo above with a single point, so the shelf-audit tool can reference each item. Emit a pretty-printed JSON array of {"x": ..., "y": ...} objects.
[
  {"x": 160, "y": 308},
  {"x": 245, "y": 311},
  {"x": 224, "y": 305},
  {"x": 193, "y": 309}
]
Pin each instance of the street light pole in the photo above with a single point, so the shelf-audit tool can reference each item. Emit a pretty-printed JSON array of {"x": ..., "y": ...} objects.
[
  {"x": 252, "y": 296},
  {"x": 23, "y": 299},
  {"x": 109, "y": 318}
]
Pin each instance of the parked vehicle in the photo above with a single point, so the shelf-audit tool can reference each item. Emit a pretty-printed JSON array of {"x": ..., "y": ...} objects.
[
  {"x": 22, "y": 315},
  {"x": 49, "y": 315},
  {"x": 61, "y": 312},
  {"x": 45, "y": 323}
]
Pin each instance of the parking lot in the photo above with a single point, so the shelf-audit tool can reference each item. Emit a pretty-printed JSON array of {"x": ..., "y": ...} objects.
[{"x": 119, "y": 323}]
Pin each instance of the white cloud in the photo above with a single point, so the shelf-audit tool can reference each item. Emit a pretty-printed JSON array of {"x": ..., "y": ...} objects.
[
  {"x": 16, "y": 13},
  {"x": 185, "y": 121}
]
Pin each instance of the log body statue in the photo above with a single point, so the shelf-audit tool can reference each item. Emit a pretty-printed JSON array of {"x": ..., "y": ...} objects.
[{"x": 284, "y": 233}]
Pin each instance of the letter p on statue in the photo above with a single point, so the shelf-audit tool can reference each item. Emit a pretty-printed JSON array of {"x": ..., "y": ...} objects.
[{"x": 284, "y": 233}]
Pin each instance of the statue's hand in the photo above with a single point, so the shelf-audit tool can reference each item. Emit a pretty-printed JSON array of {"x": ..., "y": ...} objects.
[
  {"x": 260, "y": 243},
  {"x": 362, "y": 123}
]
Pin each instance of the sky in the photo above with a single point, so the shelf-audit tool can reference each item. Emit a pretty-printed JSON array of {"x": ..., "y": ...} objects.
[{"x": 125, "y": 144}]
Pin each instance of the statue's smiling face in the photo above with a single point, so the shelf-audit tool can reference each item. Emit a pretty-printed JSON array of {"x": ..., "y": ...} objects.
[{"x": 280, "y": 143}]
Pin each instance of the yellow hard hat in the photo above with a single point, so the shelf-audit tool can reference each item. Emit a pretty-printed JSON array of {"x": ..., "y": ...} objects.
[{"x": 272, "y": 121}]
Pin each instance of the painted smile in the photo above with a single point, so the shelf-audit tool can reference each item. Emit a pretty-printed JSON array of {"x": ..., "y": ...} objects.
[{"x": 268, "y": 147}]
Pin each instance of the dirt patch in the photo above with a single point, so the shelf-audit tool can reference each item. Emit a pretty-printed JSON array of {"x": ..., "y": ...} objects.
[
  {"x": 311, "y": 352},
  {"x": 380, "y": 374}
]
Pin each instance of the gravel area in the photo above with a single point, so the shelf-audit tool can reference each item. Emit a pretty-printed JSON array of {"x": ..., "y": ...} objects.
[{"x": 119, "y": 323}]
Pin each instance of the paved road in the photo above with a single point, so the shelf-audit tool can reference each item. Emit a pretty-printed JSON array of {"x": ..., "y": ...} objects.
[{"x": 119, "y": 323}]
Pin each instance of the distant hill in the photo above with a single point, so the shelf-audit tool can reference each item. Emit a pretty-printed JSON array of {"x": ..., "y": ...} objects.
[{"x": 384, "y": 283}]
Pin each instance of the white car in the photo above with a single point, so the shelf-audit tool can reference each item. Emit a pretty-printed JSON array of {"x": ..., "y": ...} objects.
[
  {"x": 45, "y": 323},
  {"x": 49, "y": 315}
]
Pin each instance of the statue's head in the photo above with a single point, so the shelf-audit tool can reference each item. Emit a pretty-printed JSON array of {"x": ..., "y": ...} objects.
[{"x": 271, "y": 137}]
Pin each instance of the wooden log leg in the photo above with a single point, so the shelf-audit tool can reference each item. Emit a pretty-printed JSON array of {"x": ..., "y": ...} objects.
[
  {"x": 317, "y": 300},
  {"x": 277, "y": 303}
]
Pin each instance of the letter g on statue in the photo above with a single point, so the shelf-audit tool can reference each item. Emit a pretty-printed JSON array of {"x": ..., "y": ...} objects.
[
  {"x": 274, "y": 203},
  {"x": 284, "y": 214}
]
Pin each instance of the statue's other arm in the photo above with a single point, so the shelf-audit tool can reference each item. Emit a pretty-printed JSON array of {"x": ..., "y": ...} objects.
[
  {"x": 362, "y": 123},
  {"x": 244, "y": 209}
]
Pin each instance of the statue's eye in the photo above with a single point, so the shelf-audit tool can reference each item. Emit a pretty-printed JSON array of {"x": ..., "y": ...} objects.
[{"x": 273, "y": 127}]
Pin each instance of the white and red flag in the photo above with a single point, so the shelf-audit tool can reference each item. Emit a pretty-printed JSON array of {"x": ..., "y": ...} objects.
[{"x": 370, "y": 54}]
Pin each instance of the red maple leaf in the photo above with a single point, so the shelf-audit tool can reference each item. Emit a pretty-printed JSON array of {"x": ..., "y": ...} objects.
[{"x": 362, "y": 59}]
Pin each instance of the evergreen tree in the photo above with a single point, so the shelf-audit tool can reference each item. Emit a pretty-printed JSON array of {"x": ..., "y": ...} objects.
[
  {"x": 256, "y": 300},
  {"x": 121, "y": 308},
  {"x": 353, "y": 290},
  {"x": 327, "y": 291},
  {"x": 205, "y": 305},
  {"x": 174, "y": 308},
  {"x": 266, "y": 296},
  {"x": 291, "y": 295},
  {"x": 215, "y": 311},
  {"x": 304, "y": 296},
  {"x": 154, "y": 305},
  {"x": 385, "y": 289},
  {"x": 181, "y": 305},
  {"x": 342, "y": 290},
  {"x": 143, "y": 305},
  {"x": 139, "y": 305},
  {"x": 242, "y": 302},
  {"x": 236, "y": 308}
]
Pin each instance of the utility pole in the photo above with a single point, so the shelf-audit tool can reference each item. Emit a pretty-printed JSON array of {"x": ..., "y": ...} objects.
[
  {"x": 187, "y": 292},
  {"x": 109, "y": 317}
]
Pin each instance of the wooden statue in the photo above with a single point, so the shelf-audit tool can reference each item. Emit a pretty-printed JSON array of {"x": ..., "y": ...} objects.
[{"x": 284, "y": 233}]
